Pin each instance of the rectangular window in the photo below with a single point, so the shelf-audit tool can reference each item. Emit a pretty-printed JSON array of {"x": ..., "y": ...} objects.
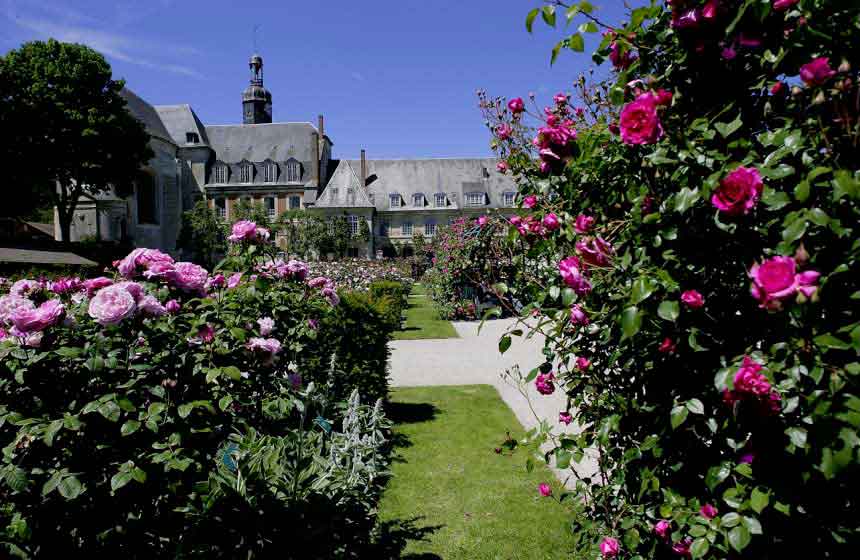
[
  {"x": 430, "y": 229},
  {"x": 441, "y": 200},
  {"x": 406, "y": 228},
  {"x": 295, "y": 202},
  {"x": 476, "y": 199},
  {"x": 269, "y": 203},
  {"x": 220, "y": 173},
  {"x": 354, "y": 223},
  {"x": 509, "y": 199},
  {"x": 192, "y": 138},
  {"x": 418, "y": 200},
  {"x": 332, "y": 194},
  {"x": 147, "y": 201},
  {"x": 245, "y": 174},
  {"x": 221, "y": 208},
  {"x": 270, "y": 172},
  {"x": 394, "y": 201}
]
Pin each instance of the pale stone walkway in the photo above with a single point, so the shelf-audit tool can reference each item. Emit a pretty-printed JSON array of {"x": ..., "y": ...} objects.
[{"x": 475, "y": 359}]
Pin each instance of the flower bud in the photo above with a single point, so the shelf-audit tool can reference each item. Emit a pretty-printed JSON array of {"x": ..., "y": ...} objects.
[{"x": 844, "y": 67}]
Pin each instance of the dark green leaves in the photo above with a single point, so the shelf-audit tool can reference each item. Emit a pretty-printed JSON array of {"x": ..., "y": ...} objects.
[
  {"x": 548, "y": 15},
  {"x": 669, "y": 310},
  {"x": 727, "y": 129},
  {"x": 685, "y": 198},
  {"x": 504, "y": 344},
  {"x": 530, "y": 19},
  {"x": 643, "y": 287},
  {"x": 678, "y": 416},
  {"x": 631, "y": 321}
]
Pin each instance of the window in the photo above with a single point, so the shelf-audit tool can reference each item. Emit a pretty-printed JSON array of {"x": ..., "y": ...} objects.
[
  {"x": 476, "y": 199},
  {"x": 246, "y": 173},
  {"x": 270, "y": 172},
  {"x": 221, "y": 208},
  {"x": 269, "y": 203},
  {"x": 147, "y": 201},
  {"x": 418, "y": 199},
  {"x": 332, "y": 194},
  {"x": 406, "y": 228},
  {"x": 354, "y": 223},
  {"x": 441, "y": 200},
  {"x": 430, "y": 229},
  {"x": 394, "y": 201},
  {"x": 220, "y": 173},
  {"x": 192, "y": 138},
  {"x": 294, "y": 174},
  {"x": 508, "y": 199},
  {"x": 295, "y": 202},
  {"x": 384, "y": 227}
]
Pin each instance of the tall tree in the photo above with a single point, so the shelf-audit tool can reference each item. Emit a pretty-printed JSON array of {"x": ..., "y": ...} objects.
[{"x": 66, "y": 130}]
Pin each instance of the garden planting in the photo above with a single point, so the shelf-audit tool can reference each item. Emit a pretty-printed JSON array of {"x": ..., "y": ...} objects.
[{"x": 691, "y": 252}]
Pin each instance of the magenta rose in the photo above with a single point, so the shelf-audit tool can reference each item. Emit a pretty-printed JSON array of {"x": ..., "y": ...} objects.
[
  {"x": 544, "y": 383},
  {"x": 172, "y": 307},
  {"x": 571, "y": 272},
  {"x": 565, "y": 418},
  {"x": 504, "y": 131},
  {"x": 583, "y": 223},
  {"x": 667, "y": 346},
  {"x": 752, "y": 386},
  {"x": 143, "y": 259},
  {"x": 516, "y": 105},
  {"x": 595, "y": 251},
  {"x": 621, "y": 60},
  {"x": 708, "y": 511},
  {"x": 693, "y": 299},
  {"x": 529, "y": 202},
  {"x": 682, "y": 547},
  {"x": 502, "y": 167},
  {"x": 482, "y": 221},
  {"x": 545, "y": 490},
  {"x": 777, "y": 279},
  {"x": 609, "y": 547},
  {"x": 95, "y": 284},
  {"x": 663, "y": 529},
  {"x": 578, "y": 316},
  {"x": 639, "y": 122},
  {"x": 739, "y": 191},
  {"x": 583, "y": 363},
  {"x": 112, "y": 305},
  {"x": 551, "y": 222},
  {"x": 817, "y": 72},
  {"x": 783, "y": 5}
]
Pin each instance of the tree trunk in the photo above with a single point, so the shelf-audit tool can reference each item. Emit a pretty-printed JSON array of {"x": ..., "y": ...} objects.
[{"x": 66, "y": 202}]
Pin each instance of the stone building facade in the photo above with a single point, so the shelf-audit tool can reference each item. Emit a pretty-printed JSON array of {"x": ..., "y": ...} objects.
[{"x": 283, "y": 166}]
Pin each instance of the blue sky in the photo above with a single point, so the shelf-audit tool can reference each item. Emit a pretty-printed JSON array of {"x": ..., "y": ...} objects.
[{"x": 395, "y": 77}]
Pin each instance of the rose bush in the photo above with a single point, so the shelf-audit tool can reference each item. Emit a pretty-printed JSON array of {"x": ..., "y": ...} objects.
[
  {"x": 706, "y": 268},
  {"x": 164, "y": 411}
]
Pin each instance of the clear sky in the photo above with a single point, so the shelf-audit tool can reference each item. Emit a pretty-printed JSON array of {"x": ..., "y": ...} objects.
[{"x": 395, "y": 77}]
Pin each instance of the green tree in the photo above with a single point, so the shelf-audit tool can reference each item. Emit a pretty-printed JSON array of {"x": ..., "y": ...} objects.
[
  {"x": 246, "y": 209},
  {"x": 66, "y": 130},
  {"x": 203, "y": 234}
]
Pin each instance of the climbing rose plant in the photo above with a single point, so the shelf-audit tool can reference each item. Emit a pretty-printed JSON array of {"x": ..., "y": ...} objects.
[{"x": 700, "y": 295}]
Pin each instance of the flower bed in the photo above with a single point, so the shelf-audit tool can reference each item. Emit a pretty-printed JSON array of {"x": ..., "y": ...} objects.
[
  {"x": 359, "y": 274},
  {"x": 167, "y": 411}
]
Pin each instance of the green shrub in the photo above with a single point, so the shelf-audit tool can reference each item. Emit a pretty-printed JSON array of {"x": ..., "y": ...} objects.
[{"x": 398, "y": 292}]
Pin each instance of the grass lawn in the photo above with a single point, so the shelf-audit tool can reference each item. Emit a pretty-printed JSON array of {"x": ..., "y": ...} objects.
[
  {"x": 421, "y": 319},
  {"x": 451, "y": 487}
]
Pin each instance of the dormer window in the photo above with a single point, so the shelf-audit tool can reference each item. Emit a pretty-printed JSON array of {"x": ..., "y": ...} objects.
[
  {"x": 441, "y": 200},
  {"x": 192, "y": 138},
  {"x": 418, "y": 200},
  {"x": 220, "y": 173},
  {"x": 394, "y": 200},
  {"x": 476, "y": 199},
  {"x": 246, "y": 173},
  {"x": 294, "y": 173},
  {"x": 508, "y": 199},
  {"x": 270, "y": 172}
]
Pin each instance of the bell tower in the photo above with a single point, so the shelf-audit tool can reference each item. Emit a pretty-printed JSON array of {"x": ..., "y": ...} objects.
[{"x": 256, "y": 99}]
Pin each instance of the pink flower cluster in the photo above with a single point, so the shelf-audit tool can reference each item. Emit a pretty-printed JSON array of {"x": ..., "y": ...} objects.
[
  {"x": 776, "y": 279},
  {"x": 292, "y": 269},
  {"x": 245, "y": 230},
  {"x": 113, "y": 304},
  {"x": 544, "y": 383},
  {"x": 751, "y": 385},
  {"x": 573, "y": 274},
  {"x": 817, "y": 72},
  {"x": 267, "y": 347},
  {"x": 327, "y": 289},
  {"x": 594, "y": 251},
  {"x": 639, "y": 122},
  {"x": 27, "y": 320},
  {"x": 739, "y": 191},
  {"x": 154, "y": 264},
  {"x": 555, "y": 143}
]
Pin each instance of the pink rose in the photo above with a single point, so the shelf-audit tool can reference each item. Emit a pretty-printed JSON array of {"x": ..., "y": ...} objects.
[
  {"x": 663, "y": 528},
  {"x": 609, "y": 547},
  {"x": 682, "y": 547},
  {"x": 24, "y": 286},
  {"x": 693, "y": 299},
  {"x": 28, "y": 321},
  {"x": 529, "y": 202},
  {"x": 206, "y": 333},
  {"x": 95, "y": 284},
  {"x": 551, "y": 222},
  {"x": 667, "y": 346},
  {"x": 560, "y": 99},
  {"x": 482, "y": 221},
  {"x": 11, "y": 303},
  {"x": 817, "y": 72},
  {"x": 578, "y": 316},
  {"x": 267, "y": 325},
  {"x": 172, "y": 306},
  {"x": 545, "y": 490},
  {"x": 504, "y": 131},
  {"x": 188, "y": 277},
  {"x": 502, "y": 167},
  {"x": 149, "y": 305},
  {"x": 739, "y": 191},
  {"x": 595, "y": 251},
  {"x": 776, "y": 279},
  {"x": 708, "y": 511},
  {"x": 65, "y": 285},
  {"x": 319, "y": 282},
  {"x": 582, "y": 363},
  {"x": 544, "y": 383},
  {"x": 112, "y": 305},
  {"x": 571, "y": 272},
  {"x": 331, "y": 296},
  {"x": 640, "y": 123},
  {"x": 620, "y": 60},
  {"x": 583, "y": 223},
  {"x": 783, "y": 5},
  {"x": 142, "y": 258},
  {"x": 565, "y": 418},
  {"x": 777, "y": 88},
  {"x": 297, "y": 270},
  {"x": 3, "y": 334},
  {"x": 215, "y": 282},
  {"x": 516, "y": 105},
  {"x": 752, "y": 386},
  {"x": 234, "y": 280},
  {"x": 246, "y": 230},
  {"x": 268, "y": 346}
]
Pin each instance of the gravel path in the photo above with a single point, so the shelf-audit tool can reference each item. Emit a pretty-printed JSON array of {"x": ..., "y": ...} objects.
[{"x": 475, "y": 359}]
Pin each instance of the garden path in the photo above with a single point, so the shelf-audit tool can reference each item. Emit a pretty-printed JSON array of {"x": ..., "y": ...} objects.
[{"x": 474, "y": 358}]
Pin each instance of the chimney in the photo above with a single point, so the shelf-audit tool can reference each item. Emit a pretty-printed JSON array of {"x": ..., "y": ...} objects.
[
  {"x": 363, "y": 169},
  {"x": 321, "y": 126},
  {"x": 315, "y": 153}
]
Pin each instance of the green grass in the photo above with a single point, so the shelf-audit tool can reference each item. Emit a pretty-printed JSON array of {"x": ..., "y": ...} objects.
[
  {"x": 422, "y": 321},
  {"x": 450, "y": 485}
]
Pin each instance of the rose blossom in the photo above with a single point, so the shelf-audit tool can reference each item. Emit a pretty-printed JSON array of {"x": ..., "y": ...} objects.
[
  {"x": 739, "y": 191},
  {"x": 621, "y": 61},
  {"x": 234, "y": 280},
  {"x": 663, "y": 528},
  {"x": 516, "y": 105},
  {"x": 244, "y": 230},
  {"x": 504, "y": 131},
  {"x": 112, "y": 305},
  {"x": 571, "y": 273},
  {"x": 565, "y": 418},
  {"x": 502, "y": 167},
  {"x": 149, "y": 305},
  {"x": 297, "y": 269},
  {"x": 530, "y": 201},
  {"x": 560, "y": 98},
  {"x": 640, "y": 123},
  {"x": 594, "y": 251},
  {"x": 583, "y": 363},
  {"x": 545, "y": 489},
  {"x": 708, "y": 511},
  {"x": 682, "y": 547},
  {"x": 267, "y": 325},
  {"x": 777, "y": 279},
  {"x": 172, "y": 306},
  {"x": 319, "y": 282},
  {"x": 783, "y": 5},
  {"x": 544, "y": 383},
  {"x": 693, "y": 299},
  {"x": 206, "y": 333},
  {"x": 143, "y": 258},
  {"x": 583, "y": 223},
  {"x": 551, "y": 222},
  {"x": 482, "y": 221},
  {"x": 65, "y": 285},
  {"x": 578, "y": 315},
  {"x": 28, "y": 321},
  {"x": 609, "y": 547},
  {"x": 751, "y": 385},
  {"x": 215, "y": 282},
  {"x": 817, "y": 72},
  {"x": 331, "y": 296},
  {"x": 188, "y": 277},
  {"x": 667, "y": 346},
  {"x": 265, "y": 345},
  {"x": 24, "y": 286},
  {"x": 3, "y": 334},
  {"x": 11, "y": 303},
  {"x": 95, "y": 284}
]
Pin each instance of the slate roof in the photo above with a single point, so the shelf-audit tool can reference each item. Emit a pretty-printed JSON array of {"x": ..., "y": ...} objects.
[
  {"x": 12, "y": 255},
  {"x": 344, "y": 190},
  {"x": 258, "y": 142},
  {"x": 146, "y": 113},
  {"x": 180, "y": 119},
  {"x": 455, "y": 177}
]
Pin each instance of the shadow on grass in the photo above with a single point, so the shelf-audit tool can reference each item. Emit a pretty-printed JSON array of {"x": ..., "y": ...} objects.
[
  {"x": 410, "y": 413},
  {"x": 397, "y": 534}
]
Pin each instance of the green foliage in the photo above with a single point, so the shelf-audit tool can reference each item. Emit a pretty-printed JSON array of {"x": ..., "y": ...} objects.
[
  {"x": 248, "y": 209},
  {"x": 203, "y": 237},
  {"x": 672, "y": 423},
  {"x": 398, "y": 294},
  {"x": 66, "y": 127}
]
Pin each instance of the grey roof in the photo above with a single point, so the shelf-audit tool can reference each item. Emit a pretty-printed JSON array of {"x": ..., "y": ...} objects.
[
  {"x": 344, "y": 190},
  {"x": 258, "y": 142},
  {"x": 42, "y": 257},
  {"x": 455, "y": 177},
  {"x": 180, "y": 119},
  {"x": 145, "y": 113}
]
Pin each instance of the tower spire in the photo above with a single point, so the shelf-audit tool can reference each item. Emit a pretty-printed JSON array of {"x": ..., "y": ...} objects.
[{"x": 256, "y": 99}]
